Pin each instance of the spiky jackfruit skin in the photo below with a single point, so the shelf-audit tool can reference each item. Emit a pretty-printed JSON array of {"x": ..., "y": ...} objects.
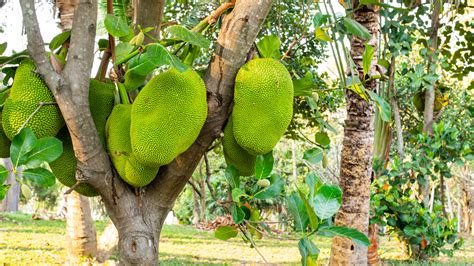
[
  {"x": 167, "y": 116},
  {"x": 4, "y": 141},
  {"x": 118, "y": 145},
  {"x": 64, "y": 168},
  {"x": 27, "y": 92},
  {"x": 235, "y": 155},
  {"x": 263, "y": 104},
  {"x": 101, "y": 103}
]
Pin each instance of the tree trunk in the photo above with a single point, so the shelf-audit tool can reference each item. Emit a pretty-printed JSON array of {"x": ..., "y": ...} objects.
[
  {"x": 12, "y": 199},
  {"x": 148, "y": 13},
  {"x": 196, "y": 207},
  {"x": 80, "y": 230},
  {"x": 357, "y": 152}
]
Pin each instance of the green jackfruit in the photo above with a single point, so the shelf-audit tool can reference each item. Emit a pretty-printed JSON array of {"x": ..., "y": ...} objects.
[
  {"x": 235, "y": 155},
  {"x": 263, "y": 105},
  {"x": 101, "y": 102},
  {"x": 120, "y": 151},
  {"x": 167, "y": 116},
  {"x": 27, "y": 92},
  {"x": 64, "y": 168},
  {"x": 4, "y": 141},
  {"x": 441, "y": 100}
]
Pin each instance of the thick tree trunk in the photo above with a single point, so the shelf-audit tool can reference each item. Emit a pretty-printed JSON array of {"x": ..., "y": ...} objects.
[
  {"x": 80, "y": 230},
  {"x": 148, "y": 13},
  {"x": 11, "y": 201},
  {"x": 357, "y": 152}
]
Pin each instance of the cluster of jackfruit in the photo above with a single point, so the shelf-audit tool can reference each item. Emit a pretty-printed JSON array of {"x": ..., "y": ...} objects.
[
  {"x": 163, "y": 121},
  {"x": 263, "y": 109}
]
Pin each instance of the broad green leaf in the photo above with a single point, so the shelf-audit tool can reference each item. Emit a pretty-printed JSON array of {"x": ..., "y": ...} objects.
[
  {"x": 353, "y": 234},
  {"x": 313, "y": 219},
  {"x": 238, "y": 215},
  {"x": 353, "y": 83},
  {"x": 103, "y": 44},
  {"x": 319, "y": 19},
  {"x": 269, "y": 47},
  {"x": 383, "y": 107},
  {"x": 274, "y": 190},
  {"x": 356, "y": 28},
  {"x": 232, "y": 176},
  {"x": 367, "y": 58},
  {"x": 181, "y": 33},
  {"x": 314, "y": 155},
  {"x": 46, "y": 149},
  {"x": 3, "y": 47},
  {"x": 237, "y": 193},
  {"x": 225, "y": 232},
  {"x": 14, "y": 58},
  {"x": 298, "y": 211},
  {"x": 116, "y": 26},
  {"x": 308, "y": 251},
  {"x": 264, "y": 165},
  {"x": 322, "y": 139},
  {"x": 122, "y": 50},
  {"x": 39, "y": 176},
  {"x": 327, "y": 201},
  {"x": 3, "y": 191},
  {"x": 384, "y": 62},
  {"x": 22, "y": 144},
  {"x": 314, "y": 184},
  {"x": 320, "y": 34},
  {"x": 3, "y": 174},
  {"x": 155, "y": 55},
  {"x": 59, "y": 39},
  {"x": 304, "y": 86}
]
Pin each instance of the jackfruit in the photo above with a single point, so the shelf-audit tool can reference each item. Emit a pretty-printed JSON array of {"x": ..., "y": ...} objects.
[
  {"x": 263, "y": 105},
  {"x": 118, "y": 145},
  {"x": 4, "y": 141},
  {"x": 64, "y": 168},
  {"x": 441, "y": 100},
  {"x": 167, "y": 116},
  {"x": 101, "y": 102},
  {"x": 235, "y": 155},
  {"x": 27, "y": 92}
]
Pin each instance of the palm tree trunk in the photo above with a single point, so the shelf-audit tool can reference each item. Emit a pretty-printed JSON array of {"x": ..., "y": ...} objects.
[{"x": 357, "y": 151}]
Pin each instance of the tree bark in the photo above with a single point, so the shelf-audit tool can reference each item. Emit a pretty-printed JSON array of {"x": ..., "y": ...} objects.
[
  {"x": 139, "y": 219},
  {"x": 395, "y": 110},
  {"x": 357, "y": 152},
  {"x": 148, "y": 13},
  {"x": 12, "y": 200}
]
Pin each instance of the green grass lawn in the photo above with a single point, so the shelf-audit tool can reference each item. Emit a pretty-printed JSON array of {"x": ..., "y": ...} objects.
[{"x": 27, "y": 241}]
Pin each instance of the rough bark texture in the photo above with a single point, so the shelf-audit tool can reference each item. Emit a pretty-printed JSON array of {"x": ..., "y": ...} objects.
[
  {"x": 148, "y": 13},
  {"x": 80, "y": 230},
  {"x": 12, "y": 200},
  {"x": 139, "y": 218},
  {"x": 66, "y": 13},
  {"x": 356, "y": 158}
]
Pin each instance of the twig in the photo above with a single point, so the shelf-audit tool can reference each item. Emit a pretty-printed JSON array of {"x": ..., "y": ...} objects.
[
  {"x": 195, "y": 188},
  {"x": 40, "y": 104},
  {"x": 287, "y": 53},
  {"x": 208, "y": 177},
  {"x": 72, "y": 188},
  {"x": 211, "y": 19},
  {"x": 245, "y": 232}
]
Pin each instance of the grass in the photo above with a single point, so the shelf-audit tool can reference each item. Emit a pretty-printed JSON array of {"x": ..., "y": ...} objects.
[{"x": 27, "y": 241}]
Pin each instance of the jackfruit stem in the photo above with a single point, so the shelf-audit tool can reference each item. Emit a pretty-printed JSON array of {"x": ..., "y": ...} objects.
[
  {"x": 40, "y": 104},
  {"x": 123, "y": 93}
]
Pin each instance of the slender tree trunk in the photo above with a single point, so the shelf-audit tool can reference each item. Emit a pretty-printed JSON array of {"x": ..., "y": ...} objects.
[
  {"x": 80, "y": 230},
  {"x": 11, "y": 201},
  {"x": 148, "y": 13},
  {"x": 357, "y": 152},
  {"x": 395, "y": 110},
  {"x": 196, "y": 207}
]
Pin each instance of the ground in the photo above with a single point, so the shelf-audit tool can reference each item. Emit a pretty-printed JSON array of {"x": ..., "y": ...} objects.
[{"x": 27, "y": 241}]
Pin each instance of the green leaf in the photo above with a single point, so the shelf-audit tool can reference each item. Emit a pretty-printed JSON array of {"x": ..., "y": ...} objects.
[
  {"x": 308, "y": 251},
  {"x": 3, "y": 174},
  {"x": 46, "y": 149},
  {"x": 103, "y": 44},
  {"x": 353, "y": 234},
  {"x": 367, "y": 58},
  {"x": 383, "y": 107},
  {"x": 232, "y": 176},
  {"x": 269, "y": 47},
  {"x": 353, "y": 83},
  {"x": 264, "y": 165},
  {"x": 314, "y": 155},
  {"x": 304, "y": 86},
  {"x": 58, "y": 40},
  {"x": 155, "y": 55},
  {"x": 181, "y": 33},
  {"x": 356, "y": 28},
  {"x": 384, "y": 63},
  {"x": 320, "y": 34},
  {"x": 116, "y": 26},
  {"x": 122, "y": 50},
  {"x": 237, "y": 193},
  {"x": 3, "y": 47},
  {"x": 322, "y": 139},
  {"x": 225, "y": 232},
  {"x": 238, "y": 215},
  {"x": 22, "y": 144},
  {"x": 319, "y": 19},
  {"x": 313, "y": 219},
  {"x": 327, "y": 201},
  {"x": 272, "y": 191},
  {"x": 314, "y": 184},
  {"x": 3, "y": 191},
  {"x": 298, "y": 211},
  {"x": 40, "y": 177}
]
